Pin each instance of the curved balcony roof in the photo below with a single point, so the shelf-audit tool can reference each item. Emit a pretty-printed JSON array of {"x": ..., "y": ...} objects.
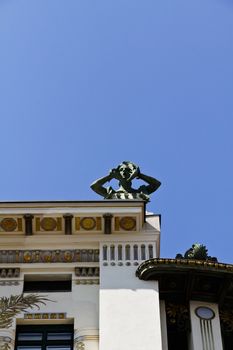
[{"x": 181, "y": 280}]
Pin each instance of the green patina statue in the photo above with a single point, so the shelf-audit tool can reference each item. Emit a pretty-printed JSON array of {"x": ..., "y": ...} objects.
[
  {"x": 125, "y": 173},
  {"x": 197, "y": 252}
]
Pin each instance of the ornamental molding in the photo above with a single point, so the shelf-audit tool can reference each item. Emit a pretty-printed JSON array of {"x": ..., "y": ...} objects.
[
  {"x": 68, "y": 223},
  {"x": 120, "y": 263},
  {"x": 7, "y": 283},
  {"x": 11, "y": 224},
  {"x": 45, "y": 316},
  {"x": 87, "y": 281},
  {"x": 87, "y": 271},
  {"x": 49, "y": 256},
  {"x": 184, "y": 279},
  {"x": 9, "y": 273},
  {"x": 178, "y": 316},
  {"x": 158, "y": 263},
  {"x": 226, "y": 319}
]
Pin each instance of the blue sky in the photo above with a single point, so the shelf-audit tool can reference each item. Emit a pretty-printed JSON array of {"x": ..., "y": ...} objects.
[{"x": 85, "y": 84}]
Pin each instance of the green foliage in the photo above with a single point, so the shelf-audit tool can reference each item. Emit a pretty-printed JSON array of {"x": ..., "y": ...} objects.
[
  {"x": 197, "y": 252},
  {"x": 15, "y": 304}
]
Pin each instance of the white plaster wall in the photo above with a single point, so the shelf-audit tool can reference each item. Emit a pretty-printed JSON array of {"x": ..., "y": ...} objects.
[
  {"x": 8, "y": 289},
  {"x": 196, "y": 336},
  {"x": 129, "y": 311},
  {"x": 81, "y": 305},
  {"x": 163, "y": 325}
]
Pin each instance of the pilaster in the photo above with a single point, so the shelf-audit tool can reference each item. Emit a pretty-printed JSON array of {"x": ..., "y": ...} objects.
[{"x": 205, "y": 326}]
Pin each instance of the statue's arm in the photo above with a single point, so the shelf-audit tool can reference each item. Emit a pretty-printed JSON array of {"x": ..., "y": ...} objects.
[
  {"x": 153, "y": 184},
  {"x": 97, "y": 185}
]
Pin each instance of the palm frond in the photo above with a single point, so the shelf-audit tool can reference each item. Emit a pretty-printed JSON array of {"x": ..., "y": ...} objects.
[{"x": 15, "y": 304}]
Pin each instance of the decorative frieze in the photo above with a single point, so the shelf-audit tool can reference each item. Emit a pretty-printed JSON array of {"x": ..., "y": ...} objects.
[
  {"x": 9, "y": 283},
  {"x": 9, "y": 273},
  {"x": 66, "y": 224},
  {"x": 86, "y": 281},
  {"x": 87, "y": 271},
  {"x": 45, "y": 316},
  {"x": 49, "y": 256}
]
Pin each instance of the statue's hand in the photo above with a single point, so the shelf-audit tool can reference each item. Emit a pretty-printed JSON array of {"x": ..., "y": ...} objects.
[
  {"x": 114, "y": 173},
  {"x": 138, "y": 173}
]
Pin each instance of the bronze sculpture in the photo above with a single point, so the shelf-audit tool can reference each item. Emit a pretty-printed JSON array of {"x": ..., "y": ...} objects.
[
  {"x": 197, "y": 252},
  {"x": 125, "y": 173}
]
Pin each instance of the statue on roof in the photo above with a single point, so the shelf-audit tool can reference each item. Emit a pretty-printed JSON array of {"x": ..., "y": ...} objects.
[{"x": 125, "y": 173}]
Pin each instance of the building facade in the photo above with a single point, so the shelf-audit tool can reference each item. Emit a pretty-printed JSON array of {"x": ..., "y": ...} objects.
[{"x": 88, "y": 275}]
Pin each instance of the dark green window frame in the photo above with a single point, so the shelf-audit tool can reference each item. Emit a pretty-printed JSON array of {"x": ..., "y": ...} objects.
[{"x": 44, "y": 337}]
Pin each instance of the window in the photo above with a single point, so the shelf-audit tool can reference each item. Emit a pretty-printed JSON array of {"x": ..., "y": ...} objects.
[
  {"x": 47, "y": 283},
  {"x": 44, "y": 337}
]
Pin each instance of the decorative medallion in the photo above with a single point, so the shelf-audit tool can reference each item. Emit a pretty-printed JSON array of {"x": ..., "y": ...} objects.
[
  {"x": 47, "y": 256},
  {"x": 205, "y": 313},
  {"x": 68, "y": 256},
  {"x": 8, "y": 224},
  {"x": 128, "y": 223},
  {"x": 48, "y": 224},
  {"x": 27, "y": 257},
  {"x": 88, "y": 223}
]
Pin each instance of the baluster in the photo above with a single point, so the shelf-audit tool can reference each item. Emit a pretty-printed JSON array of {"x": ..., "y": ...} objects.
[
  {"x": 143, "y": 252},
  {"x": 135, "y": 252},
  {"x": 112, "y": 252},
  {"x": 120, "y": 252}
]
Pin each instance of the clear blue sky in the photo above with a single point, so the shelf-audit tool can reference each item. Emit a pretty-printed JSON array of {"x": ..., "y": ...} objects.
[{"x": 85, "y": 84}]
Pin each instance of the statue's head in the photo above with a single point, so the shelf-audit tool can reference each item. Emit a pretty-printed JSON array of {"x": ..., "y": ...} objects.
[{"x": 128, "y": 170}]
